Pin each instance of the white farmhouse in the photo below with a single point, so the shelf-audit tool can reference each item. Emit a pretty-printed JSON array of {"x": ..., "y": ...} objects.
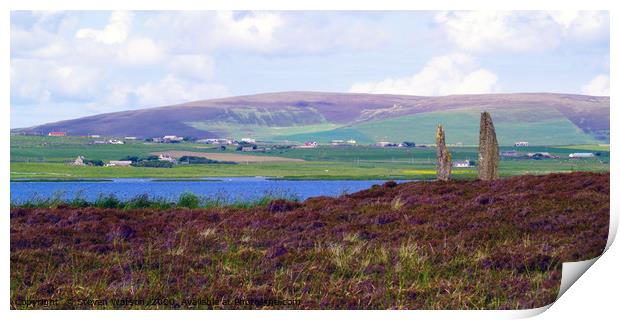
[
  {"x": 118, "y": 163},
  {"x": 461, "y": 164},
  {"x": 581, "y": 155}
]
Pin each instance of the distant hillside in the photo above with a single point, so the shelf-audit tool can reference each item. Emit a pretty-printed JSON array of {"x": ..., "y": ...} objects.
[{"x": 540, "y": 118}]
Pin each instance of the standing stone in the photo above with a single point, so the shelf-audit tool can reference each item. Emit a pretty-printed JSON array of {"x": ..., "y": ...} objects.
[
  {"x": 488, "y": 150},
  {"x": 444, "y": 158}
]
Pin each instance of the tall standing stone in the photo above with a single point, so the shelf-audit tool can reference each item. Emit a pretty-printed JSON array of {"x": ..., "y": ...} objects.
[
  {"x": 488, "y": 150},
  {"x": 444, "y": 158}
]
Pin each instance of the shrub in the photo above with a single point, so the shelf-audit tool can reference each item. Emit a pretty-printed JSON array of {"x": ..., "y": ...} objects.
[
  {"x": 188, "y": 200},
  {"x": 201, "y": 160},
  {"x": 96, "y": 163},
  {"x": 109, "y": 202},
  {"x": 154, "y": 164},
  {"x": 79, "y": 202},
  {"x": 138, "y": 202}
]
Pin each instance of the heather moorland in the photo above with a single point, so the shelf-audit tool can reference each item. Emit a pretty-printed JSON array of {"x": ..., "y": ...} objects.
[{"x": 419, "y": 245}]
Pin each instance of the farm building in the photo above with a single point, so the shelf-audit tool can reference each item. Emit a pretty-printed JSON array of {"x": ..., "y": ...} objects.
[
  {"x": 167, "y": 157},
  {"x": 522, "y": 144},
  {"x": 541, "y": 155},
  {"x": 581, "y": 155},
  {"x": 118, "y": 163},
  {"x": 461, "y": 164},
  {"x": 406, "y": 144},
  {"x": 383, "y": 144},
  {"x": 511, "y": 153},
  {"x": 171, "y": 139},
  {"x": 308, "y": 145},
  {"x": 215, "y": 141},
  {"x": 79, "y": 161},
  {"x": 57, "y": 134}
]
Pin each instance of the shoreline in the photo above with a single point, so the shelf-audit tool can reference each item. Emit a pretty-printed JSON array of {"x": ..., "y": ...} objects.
[{"x": 224, "y": 178}]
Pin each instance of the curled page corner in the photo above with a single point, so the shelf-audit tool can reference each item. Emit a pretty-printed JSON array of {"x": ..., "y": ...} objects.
[
  {"x": 529, "y": 313},
  {"x": 571, "y": 271}
]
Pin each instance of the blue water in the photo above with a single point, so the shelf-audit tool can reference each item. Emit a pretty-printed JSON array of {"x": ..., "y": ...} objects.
[{"x": 227, "y": 189}]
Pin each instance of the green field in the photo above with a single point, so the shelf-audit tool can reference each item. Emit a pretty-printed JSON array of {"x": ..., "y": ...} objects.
[
  {"x": 547, "y": 127},
  {"x": 47, "y": 157},
  {"x": 62, "y": 149},
  {"x": 260, "y": 132}
]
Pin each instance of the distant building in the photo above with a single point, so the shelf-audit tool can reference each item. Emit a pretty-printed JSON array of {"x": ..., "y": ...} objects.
[
  {"x": 57, "y": 134},
  {"x": 406, "y": 144},
  {"x": 308, "y": 145},
  {"x": 541, "y": 155},
  {"x": 171, "y": 139},
  {"x": 118, "y": 163},
  {"x": 114, "y": 141},
  {"x": 351, "y": 141},
  {"x": 511, "y": 153},
  {"x": 522, "y": 144},
  {"x": 248, "y": 140},
  {"x": 131, "y": 138},
  {"x": 94, "y": 136},
  {"x": 220, "y": 141},
  {"x": 247, "y": 149},
  {"x": 167, "y": 157},
  {"x": 79, "y": 161},
  {"x": 384, "y": 144},
  {"x": 581, "y": 155},
  {"x": 461, "y": 164}
]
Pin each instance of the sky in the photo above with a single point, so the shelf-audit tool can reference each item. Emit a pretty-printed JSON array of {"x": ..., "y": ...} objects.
[{"x": 71, "y": 64}]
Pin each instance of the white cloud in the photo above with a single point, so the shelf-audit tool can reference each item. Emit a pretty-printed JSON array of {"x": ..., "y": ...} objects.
[
  {"x": 253, "y": 30},
  {"x": 171, "y": 90},
  {"x": 141, "y": 51},
  {"x": 26, "y": 83},
  {"x": 598, "y": 86},
  {"x": 115, "y": 32},
  {"x": 200, "y": 31},
  {"x": 582, "y": 24},
  {"x": 120, "y": 97},
  {"x": 43, "y": 81},
  {"x": 442, "y": 75},
  {"x": 479, "y": 31},
  {"x": 74, "y": 81},
  {"x": 266, "y": 32},
  {"x": 193, "y": 66}
]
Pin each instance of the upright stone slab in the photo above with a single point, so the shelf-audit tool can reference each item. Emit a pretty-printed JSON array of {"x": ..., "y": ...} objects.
[
  {"x": 444, "y": 158},
  {"x": 488, "y": 150}
]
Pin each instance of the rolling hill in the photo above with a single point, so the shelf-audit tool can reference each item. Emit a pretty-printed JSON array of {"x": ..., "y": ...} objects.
[{"x": 540, "y": 118}]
